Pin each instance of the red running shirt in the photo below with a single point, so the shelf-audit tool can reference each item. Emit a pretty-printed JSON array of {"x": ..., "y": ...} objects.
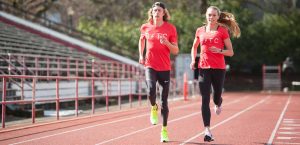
[
  {"x": 207, "y": 40},
  {"x": 157, "y": 54}
]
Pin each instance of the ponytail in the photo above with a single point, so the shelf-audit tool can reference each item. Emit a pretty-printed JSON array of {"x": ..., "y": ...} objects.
[{"x": 228, "y": 20}]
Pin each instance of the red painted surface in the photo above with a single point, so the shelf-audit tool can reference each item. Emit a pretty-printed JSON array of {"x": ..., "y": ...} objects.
[{"x": 246, "y": 119}]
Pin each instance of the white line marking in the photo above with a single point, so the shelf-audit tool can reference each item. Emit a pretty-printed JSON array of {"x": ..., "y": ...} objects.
[
  {"x": 286, "y": 137},
  {"x": 287, "y": 128},
  {"x": 113, "y": 139},
  {"x": 79, "y": 129},
  {"x": 278, "y": 122},
  {"x": 286, "y": 143},
  {"x": 226, "y": 120},
  {"x": 291, "y": 125},
  {"x": 288, "y": 121},
  {"x": 291, "y": 119},
  {"x": 116, "y": 121},
  {"x": 187, "y": 116},
  {"x": 289, "y": 133}
]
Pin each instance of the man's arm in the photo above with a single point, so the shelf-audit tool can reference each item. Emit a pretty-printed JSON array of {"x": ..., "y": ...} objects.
[
  {"x": 194, "y": 52},
  {"x": 141, "y": 50}
]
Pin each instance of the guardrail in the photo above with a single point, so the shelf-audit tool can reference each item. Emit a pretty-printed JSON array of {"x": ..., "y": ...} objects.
[
  {"x": 112, "y": 88},
  {"x": 39, "y": 65}
]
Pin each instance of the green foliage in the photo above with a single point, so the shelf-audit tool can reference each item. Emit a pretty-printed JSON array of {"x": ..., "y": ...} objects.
[
  {"x": 186, "y": 25},
  {"x": 267, "y": 39},
  {"x": 121, "y": 37}
]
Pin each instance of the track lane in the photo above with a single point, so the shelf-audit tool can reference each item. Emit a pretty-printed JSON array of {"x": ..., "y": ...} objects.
[
  {"x": 40, "y": 136},
  {"x": 288, "y": 131},
  {"x": 118, "y": 128},
  {"x": 177, "y": 129},
  {"x": 253, "y": 126}
]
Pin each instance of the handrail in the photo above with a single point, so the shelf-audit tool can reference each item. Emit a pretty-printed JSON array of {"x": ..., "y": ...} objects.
[
  {"x": 41, "y": 65},
  {"x": 58, "y": 98}
]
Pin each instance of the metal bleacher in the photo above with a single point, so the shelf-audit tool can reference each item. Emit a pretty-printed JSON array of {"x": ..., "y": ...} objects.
[
  {"x": 39, "y": 68},
  {"x": 25, "y": 51},
  {"x": 12, "y": 39},
  {"x": 37, "y": 71},
  {"x": 28, "y": 54}
]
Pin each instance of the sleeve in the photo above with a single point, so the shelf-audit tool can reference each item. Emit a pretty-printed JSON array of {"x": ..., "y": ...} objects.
[
  {"x": 173, "y": 38},
  {"x": 142, "y": 30},
  {"x": 225, "y": 33},
  {"x": 197, "y": 33}
]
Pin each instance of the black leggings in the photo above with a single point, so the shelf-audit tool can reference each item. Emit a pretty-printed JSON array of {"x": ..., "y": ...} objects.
[
  {"x": 163, "y": 79},
  {"x": 210, "y": 78}
]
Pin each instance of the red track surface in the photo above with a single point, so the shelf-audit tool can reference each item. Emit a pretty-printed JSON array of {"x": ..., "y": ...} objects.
[{"x": 246, "y": 119}]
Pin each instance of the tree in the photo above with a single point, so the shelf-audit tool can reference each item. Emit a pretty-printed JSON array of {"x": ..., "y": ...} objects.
[{"x": 269, "y": 28}]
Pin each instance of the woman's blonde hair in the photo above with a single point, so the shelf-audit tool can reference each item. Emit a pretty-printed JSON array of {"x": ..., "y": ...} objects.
[
  {"x": 166, "y": 17},
  {"x": 228, "y": 20}
]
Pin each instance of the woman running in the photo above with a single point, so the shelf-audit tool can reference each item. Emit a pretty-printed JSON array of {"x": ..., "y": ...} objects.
[{"x": 212, "y": 37}]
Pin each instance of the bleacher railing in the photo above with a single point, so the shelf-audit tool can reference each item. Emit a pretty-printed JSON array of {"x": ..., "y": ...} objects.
[
  {"x": 28, "y": 81},
  {"x": 40, "y": 65},
  {"x": 100, "y": 89},
  {"x": 24, "y": 78}
]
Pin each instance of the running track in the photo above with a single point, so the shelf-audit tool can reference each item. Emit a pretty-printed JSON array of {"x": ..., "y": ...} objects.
[{"x": 253, "y": 118}]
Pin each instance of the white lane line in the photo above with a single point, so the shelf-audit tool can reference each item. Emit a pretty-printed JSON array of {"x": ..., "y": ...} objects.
[
  {"x": 296, "y": 133},
  {"x": 125, "y": 135},
  {"x": 279, "y": 120},
  {"x": 288, "y": 122},
  {"x": 169, "y": 122},
  {"x": 296, "y": 125},
  {"x": 287, "y": 128},
  {"x": 116, "y": 121},
  {"x": 291, "y": 119},
  {"x": 286, "y": 143},
  {"x": 80, "y": 129},
  {"x": 226, "y": 120},
  {"x": 286, "y": 138}
]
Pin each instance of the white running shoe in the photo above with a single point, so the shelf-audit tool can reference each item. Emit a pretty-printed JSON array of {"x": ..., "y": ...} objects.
[
  {"x": 208, "y": 136},
  {"x": 218, "y": 110}
]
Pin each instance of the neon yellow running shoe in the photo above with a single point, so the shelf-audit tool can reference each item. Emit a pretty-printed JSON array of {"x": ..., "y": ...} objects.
[
  {"x": 153, "y": 115},
  {"x": 164, "y": 135}
]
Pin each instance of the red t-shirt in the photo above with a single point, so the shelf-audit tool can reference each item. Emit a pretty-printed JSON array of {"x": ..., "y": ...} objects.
[
  {"x": 157, "y": 54},
  {"x": 209, "y": 59}
]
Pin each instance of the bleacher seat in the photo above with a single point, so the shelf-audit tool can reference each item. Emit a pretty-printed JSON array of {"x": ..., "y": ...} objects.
[{"x": 16, "y": 40}]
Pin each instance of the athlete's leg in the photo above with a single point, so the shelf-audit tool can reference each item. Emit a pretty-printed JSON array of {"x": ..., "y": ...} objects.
[
  {"x": 218, "y": 77},
  {"x": 151, "y": 78},
  {"x": 205, "y": 88},
  {"x": 164, "y": 82}
]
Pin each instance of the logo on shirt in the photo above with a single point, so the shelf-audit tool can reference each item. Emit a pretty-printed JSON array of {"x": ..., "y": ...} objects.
[
  {"x": 155, "y": 35},
  {"x": 208, "y": 39}
]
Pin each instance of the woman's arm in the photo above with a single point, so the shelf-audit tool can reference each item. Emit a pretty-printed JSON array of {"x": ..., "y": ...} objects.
[
  {"x": 227, "y": 52},
  {"x": 229, "y": 49}
]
